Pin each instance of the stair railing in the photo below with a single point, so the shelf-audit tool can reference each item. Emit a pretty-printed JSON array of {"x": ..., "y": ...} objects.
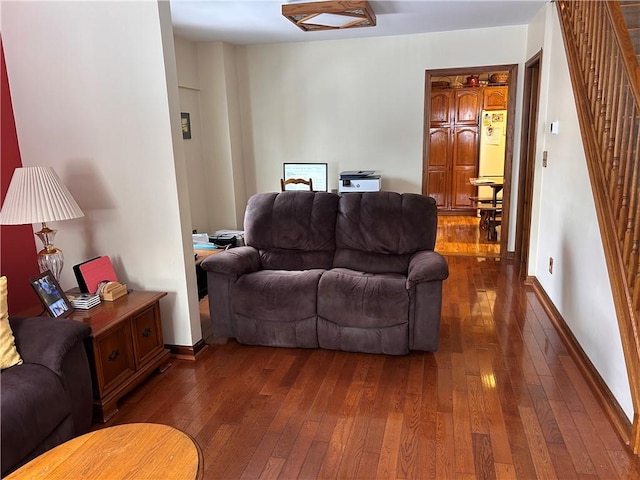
[{"x": 606, "y": 81}]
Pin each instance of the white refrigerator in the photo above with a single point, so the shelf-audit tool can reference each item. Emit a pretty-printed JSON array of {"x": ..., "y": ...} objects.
[{"x": 493, "y": 135}]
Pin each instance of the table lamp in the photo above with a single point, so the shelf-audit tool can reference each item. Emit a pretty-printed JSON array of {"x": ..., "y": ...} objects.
[{"x": 36, "y": 195}]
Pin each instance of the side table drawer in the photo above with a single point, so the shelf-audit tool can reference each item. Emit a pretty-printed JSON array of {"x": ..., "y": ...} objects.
[
  {"x": 147, "y": 334},
  {"x": 114, "y": 358}
]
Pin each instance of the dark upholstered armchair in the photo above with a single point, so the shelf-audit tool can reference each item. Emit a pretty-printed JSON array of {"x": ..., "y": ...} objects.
[
  {"x": 352, "y": 272},
  {"x": 46, "y": 400}
]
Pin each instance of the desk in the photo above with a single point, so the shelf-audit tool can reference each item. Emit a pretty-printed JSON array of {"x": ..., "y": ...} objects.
[
  {"x": 201, "y": 275},
  {"x": 489, "y": 213},
  {"x": 202, "y": 253},
  {"x": 133, "y": 450}
]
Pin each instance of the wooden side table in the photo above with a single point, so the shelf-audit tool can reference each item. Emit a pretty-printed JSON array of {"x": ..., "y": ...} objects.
[
  {"x": 125, "y": 347},
  {"x": 201, "y": 275},
  {"x": 133, "y": 450}
]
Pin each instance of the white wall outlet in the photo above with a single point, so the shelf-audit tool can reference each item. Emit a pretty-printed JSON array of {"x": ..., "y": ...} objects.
[{"x": 554, "y": 127}]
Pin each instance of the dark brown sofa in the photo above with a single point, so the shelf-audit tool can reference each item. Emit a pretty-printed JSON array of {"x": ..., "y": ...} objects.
[
  {"x": 46, "y": 400},
  {"x": 354, "y": 272}
]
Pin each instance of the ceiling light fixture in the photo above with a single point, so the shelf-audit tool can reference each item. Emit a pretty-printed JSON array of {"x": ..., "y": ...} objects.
[{"x": 330, "y": 15}]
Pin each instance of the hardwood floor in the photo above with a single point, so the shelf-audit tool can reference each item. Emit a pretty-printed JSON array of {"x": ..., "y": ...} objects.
[
  {"x": 461, "y": 235},
  {"x": 500, "y": 399}
]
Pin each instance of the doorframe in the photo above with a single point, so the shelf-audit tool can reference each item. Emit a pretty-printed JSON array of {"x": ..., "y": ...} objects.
[
  {"x": 508, "y": 160},
  {"x": 528, "y": 146}
]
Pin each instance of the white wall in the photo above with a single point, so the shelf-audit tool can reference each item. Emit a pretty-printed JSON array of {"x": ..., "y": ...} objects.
[
  {"x": 95, "y": 98},
  {"x": 566, "y": 227},
  {"x": 222, "y": 185},
  {"x": 539, "y": 38},
  {"x": 189, "y": 87},
  {"x": 355, "y": 104}
]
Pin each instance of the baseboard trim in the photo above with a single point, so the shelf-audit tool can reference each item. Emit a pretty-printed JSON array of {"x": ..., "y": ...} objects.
[
  {"x": 184, "y": 352},
  {"x": 599, "y": 388}
]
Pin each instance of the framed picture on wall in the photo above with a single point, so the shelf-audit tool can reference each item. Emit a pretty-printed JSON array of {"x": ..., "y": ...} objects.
[
  {"x": 51, "y": 295},
  {"x": 186, "y": 125},
  {"x": 317, "y": 172}
]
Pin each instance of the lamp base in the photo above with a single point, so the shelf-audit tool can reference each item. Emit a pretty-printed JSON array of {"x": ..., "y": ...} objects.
[
  {"x": 53, "y": 261},
  {"x": 50, "y": 257}
]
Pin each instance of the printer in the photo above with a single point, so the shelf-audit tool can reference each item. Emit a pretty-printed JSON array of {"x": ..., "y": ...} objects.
[{"x": 359, "y": 181}]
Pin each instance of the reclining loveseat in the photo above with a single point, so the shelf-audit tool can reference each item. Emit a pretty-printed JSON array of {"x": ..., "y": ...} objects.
[{"x": 354, "y": 272}]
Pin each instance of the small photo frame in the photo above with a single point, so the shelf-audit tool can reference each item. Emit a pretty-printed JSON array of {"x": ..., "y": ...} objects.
[
  {"x": 51, "y": 295},
  {"x": 185, "y": 119}
]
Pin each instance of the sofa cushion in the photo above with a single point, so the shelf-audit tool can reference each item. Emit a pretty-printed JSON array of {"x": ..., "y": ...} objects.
[
  {"x": 277, "y": 307},
  {"x": 34, "y": 404},
  {"x": 382, "y": 229},
  {"x": 363, "y": 312},
  {"x": 371, "y": 262},
  {"x": 9, "y": 355},
  {"x": 292, "y": 230}
]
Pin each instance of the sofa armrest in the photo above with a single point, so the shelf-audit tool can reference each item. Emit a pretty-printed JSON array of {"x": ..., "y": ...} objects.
[
  {"x": 427, "y": 266},
  {"x": 234, "y": 262},
  {"x": 47, "y": 341},
  {"x": 59, "y": 345}
]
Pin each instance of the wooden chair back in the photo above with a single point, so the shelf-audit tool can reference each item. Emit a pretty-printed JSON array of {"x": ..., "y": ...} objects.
[{"x": 284, "y": 183}]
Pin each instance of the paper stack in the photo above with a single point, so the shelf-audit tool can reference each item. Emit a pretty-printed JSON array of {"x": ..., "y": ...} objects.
[{"x": 85, "y": 301}]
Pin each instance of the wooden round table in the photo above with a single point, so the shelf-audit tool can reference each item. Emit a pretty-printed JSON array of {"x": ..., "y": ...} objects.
[{"x": 133, "y": 450}]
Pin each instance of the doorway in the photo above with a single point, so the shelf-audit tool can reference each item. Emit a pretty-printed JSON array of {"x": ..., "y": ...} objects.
[
  {"x": 526, "y": 170},
  {"x": 439, "y": 143}
]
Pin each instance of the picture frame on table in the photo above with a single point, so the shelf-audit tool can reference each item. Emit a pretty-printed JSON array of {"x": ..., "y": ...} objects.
[{"x": 51, "y": 295}]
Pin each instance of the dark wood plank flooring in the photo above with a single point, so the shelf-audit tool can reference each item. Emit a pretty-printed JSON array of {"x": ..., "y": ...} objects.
[
  {"x": 462, "y": 235},
  {"x": 500, "y": 399}
]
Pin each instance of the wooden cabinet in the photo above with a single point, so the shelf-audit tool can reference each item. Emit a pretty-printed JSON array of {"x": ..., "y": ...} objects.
[
  {"x": 438, "y": 174},
  {"x": 453, "y": 146},
  {"x": 467, "y": 104},
  {"x": 495, "y": 98},
  {"x": 464, "y": 166},
  {"x": 125, "y": 347},
  {"x": 441, "y": 107},
  {"x": 453, "y": 142}
]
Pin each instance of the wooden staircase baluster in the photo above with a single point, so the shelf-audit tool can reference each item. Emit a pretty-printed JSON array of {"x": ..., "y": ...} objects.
[
  {"x": 631, "y": 188},
  {"x": 604, "y": 119},
  {"x": 611, "y": 122},
  {"x": 599, "y": 32},
  {"x": 620, "y": 106},
  {"x": 625, "y": 170}
]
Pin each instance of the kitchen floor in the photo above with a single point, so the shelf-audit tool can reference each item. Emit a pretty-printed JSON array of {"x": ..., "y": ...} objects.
[{"x": 461, "y": 235}]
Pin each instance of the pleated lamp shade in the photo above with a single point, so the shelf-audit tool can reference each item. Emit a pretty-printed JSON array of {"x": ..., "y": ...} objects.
[{"x": 36, "y": 195}]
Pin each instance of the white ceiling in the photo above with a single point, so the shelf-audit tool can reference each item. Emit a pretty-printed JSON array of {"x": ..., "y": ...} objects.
[{"x": 245, "y": 22}]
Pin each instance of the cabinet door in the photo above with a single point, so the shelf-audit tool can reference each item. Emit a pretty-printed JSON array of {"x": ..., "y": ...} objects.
[
  {"x": 465, "y": 161},
  {"x": 495, "y": 98},
  {"x": 113, "y": 357},
  {"x": 439, "y": 164},
  {"x": 467, "y": 106},
  {"x": 147, "y": 334},
  {"x": 440, "y": 108}
]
